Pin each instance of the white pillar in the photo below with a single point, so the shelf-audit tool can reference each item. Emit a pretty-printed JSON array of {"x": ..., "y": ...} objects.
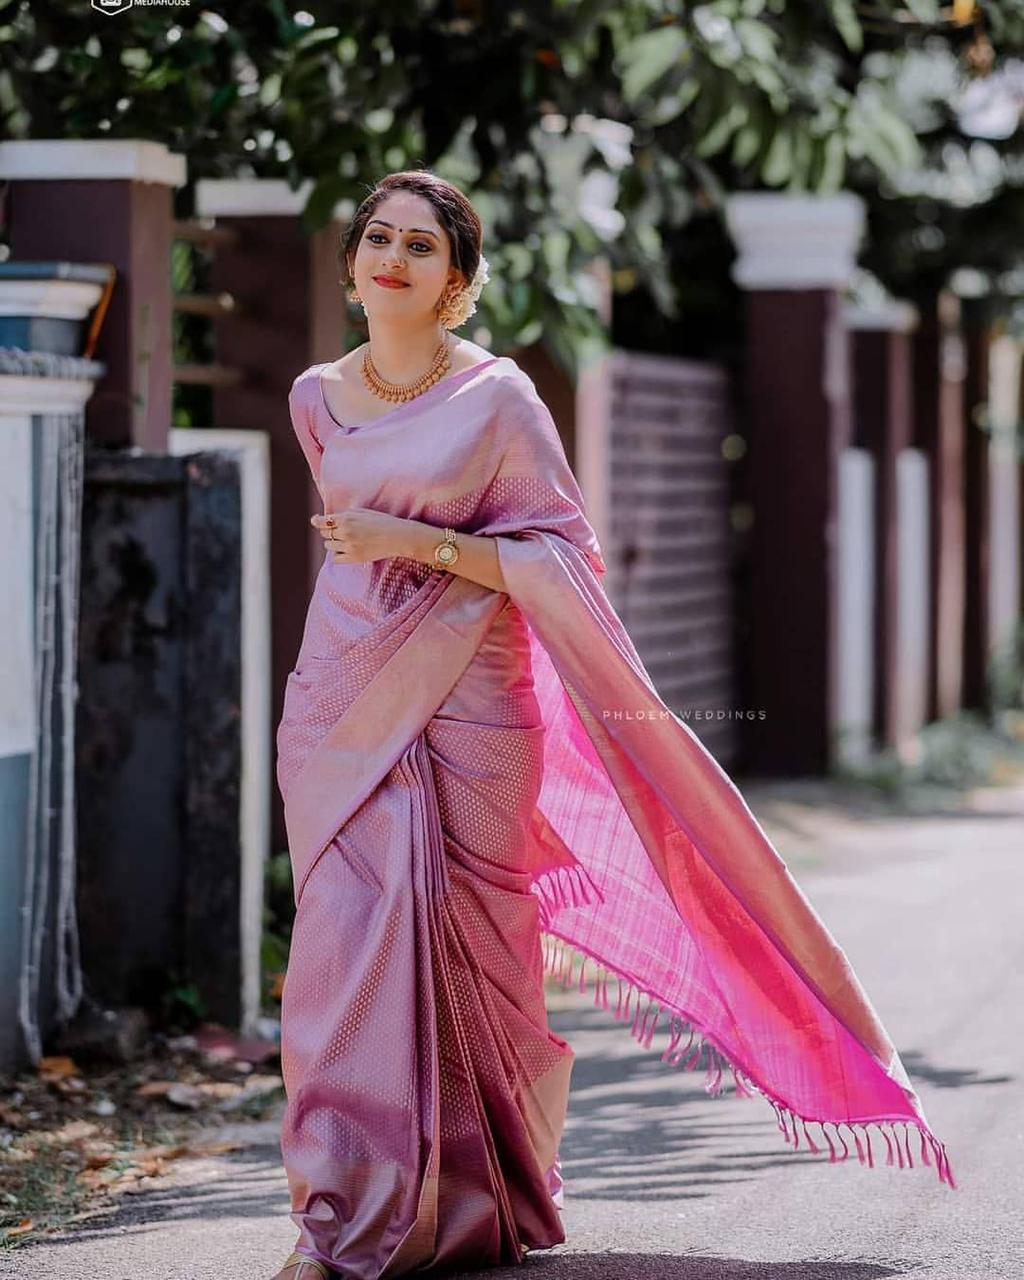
[
  {"x": 855, "y": 703},
  {"x": 794, "y": 241},
  {"x": 253, "y": 452},
  {"x": 101, "y": 159},
  {"x": 914, "y": 610},
  {"x": 1004, "y": 479},
  {"x": 40, "y": 507}
]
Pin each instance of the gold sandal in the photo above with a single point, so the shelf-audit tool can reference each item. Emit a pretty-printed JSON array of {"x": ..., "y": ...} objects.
[{"x": 303, "y": 1260}]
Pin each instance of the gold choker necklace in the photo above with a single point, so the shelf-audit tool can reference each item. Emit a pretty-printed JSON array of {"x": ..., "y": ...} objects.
[{"x": 398, "y": 393}]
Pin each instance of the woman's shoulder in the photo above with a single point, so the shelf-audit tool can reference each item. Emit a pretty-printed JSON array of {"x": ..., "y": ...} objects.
[
  {"x": 516, "y": 386},
  {"x": 501, "y": 369},
  {"x": 309, "y": 377},
  {"x": 470, "y": 355},
  {"x": 467, "y": 354}
]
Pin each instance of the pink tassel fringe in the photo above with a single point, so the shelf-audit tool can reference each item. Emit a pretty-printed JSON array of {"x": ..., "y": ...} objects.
[{"x": 559, "y": 960}]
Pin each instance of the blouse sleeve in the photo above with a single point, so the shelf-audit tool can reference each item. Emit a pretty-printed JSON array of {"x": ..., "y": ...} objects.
[
  {"x": 534, "y": 490},
  {"x": 301, "y": 410}
]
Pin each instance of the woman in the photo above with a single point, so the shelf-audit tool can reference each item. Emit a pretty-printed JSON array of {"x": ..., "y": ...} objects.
[{"x": 480, "y": 783}]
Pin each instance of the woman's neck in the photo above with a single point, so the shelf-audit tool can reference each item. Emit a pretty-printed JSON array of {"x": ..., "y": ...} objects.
[{"x": 400, "y": 355}]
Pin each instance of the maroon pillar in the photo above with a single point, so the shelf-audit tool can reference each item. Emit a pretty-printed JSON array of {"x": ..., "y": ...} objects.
[
  {"x": 798, "y": 421},
  {"x": 1020, "y": 513},
  {"x": 939, "y": 430},
  {"x": 883, "y": 424},
  {"x": 108, "y": 201},
  {"x": 977, "y": 506},
  {"x": 796, "y": 253}
]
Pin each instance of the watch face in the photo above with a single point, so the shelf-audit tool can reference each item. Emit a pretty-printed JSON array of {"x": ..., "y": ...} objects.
[{"x": 446, "y": 553}]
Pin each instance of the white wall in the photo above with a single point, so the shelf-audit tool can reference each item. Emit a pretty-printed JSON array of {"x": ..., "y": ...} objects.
[
  {"x": 1004, "y": 480},
  {"x": 914, "y": 600},
  {"x": 253, "y": 451},
  {"x": 856, "y": 586},
  {"x": 17, "y": 599}
]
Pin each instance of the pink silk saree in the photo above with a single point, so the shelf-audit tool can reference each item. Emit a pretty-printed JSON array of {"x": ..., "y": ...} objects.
[{"x": 481, "y": 787}]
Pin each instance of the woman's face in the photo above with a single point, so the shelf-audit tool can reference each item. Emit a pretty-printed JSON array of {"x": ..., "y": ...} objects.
[{"x": 404, "y": 242}]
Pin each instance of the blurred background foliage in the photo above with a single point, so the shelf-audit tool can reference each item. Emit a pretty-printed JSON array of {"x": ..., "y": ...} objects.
[{"x": 581, "y": 128}]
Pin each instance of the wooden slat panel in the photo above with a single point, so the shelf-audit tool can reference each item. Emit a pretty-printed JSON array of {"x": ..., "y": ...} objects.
[
  {"x": 669, "y": 542},
  {"x": 656, "y": 576}
]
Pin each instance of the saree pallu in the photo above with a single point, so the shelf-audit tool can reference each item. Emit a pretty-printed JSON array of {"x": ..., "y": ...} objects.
[{"x": 480, "y": 786}]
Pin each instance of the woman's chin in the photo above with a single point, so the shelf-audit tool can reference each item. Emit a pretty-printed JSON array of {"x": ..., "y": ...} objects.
[{"x": 414, "y": 317}]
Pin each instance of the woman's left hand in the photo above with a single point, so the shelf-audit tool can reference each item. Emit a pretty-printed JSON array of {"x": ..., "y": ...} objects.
[{"x": 359, "y": 534}]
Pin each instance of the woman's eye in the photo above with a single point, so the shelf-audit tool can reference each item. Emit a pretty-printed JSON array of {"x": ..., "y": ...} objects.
[{"x": 378, "y": 237}]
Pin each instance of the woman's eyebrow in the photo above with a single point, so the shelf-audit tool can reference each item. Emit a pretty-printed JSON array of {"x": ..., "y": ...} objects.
[{"x": 422, "y": 230}]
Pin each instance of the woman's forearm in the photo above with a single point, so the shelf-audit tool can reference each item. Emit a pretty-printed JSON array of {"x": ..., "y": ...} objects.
[{"x": 478, "y": 553}]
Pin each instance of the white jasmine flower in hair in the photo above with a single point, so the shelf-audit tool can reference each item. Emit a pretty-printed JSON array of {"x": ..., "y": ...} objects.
[
  {"x": 480, "y": 278},
  {"x": 465, "y": 303}
]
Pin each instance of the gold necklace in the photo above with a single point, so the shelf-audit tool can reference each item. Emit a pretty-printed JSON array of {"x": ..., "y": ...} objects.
[{"x": 398, "y": 393}]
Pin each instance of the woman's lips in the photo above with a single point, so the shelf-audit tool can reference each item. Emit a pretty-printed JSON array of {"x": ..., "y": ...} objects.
[{"x": 385, "y": 283}]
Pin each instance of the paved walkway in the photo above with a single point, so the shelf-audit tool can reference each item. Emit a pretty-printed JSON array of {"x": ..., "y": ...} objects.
[{"x": 666, "y": 1183}]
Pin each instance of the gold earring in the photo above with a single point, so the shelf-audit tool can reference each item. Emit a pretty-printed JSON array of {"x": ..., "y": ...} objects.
[
  {"x": 354, "y": 297},
  {"x": 449, "y": 307}
]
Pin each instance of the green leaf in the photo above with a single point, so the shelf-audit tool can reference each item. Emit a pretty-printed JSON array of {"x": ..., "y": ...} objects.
[
  {"x": 745, "y": 145},
  {"x": 844, "y": 15},
  {"x": 270, "y": 89},
  {"x": 379, "y": 120},
  {"x": 900, "y": 137},
  {"x": 317, "y": 36},
  {"x": 925, "y": 10},
  {"x": 803, "y": 154},
  {"x": 649, "y": 57},
  {"x": 518, "y": 261},
  {"x": 519, "y": 298},
  {"x": 556, "y": 245},
  {"x": 778, "y": 163},
  {"x": 530, "y": 332},
  {"x": 223, "y": 98},
  {"x": 160, "y": 78},
  {"x": 834, "y": 166},
  {"x": 722, "y": 130},
  {"x": 766, "y": 77},
  {"x": 758, "y": 40},
  {"x": 347, "y": 50},
  {"x": 136, "y": 59},
  {"x": 671, "y": 105}
]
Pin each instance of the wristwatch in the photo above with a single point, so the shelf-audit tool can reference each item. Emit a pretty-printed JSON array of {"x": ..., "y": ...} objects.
[{"x": 446, "y": 552}]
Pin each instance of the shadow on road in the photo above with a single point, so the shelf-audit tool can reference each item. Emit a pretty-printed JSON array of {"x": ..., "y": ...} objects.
[
  {"x": 641, "y": 1130},
  {"x": 662, "y": 1266},
  {"x": 919, "y": 1068}
]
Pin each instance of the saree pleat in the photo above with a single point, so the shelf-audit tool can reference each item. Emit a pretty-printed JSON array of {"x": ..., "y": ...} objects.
[{"x": 426, "y": 1092}]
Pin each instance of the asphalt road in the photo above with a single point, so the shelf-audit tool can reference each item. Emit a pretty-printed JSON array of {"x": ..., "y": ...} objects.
[{"x": 666, "y": 1183}]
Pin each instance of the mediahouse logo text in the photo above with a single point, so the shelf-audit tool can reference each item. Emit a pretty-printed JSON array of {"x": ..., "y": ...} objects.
[{"x": 110, "y": 7}]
